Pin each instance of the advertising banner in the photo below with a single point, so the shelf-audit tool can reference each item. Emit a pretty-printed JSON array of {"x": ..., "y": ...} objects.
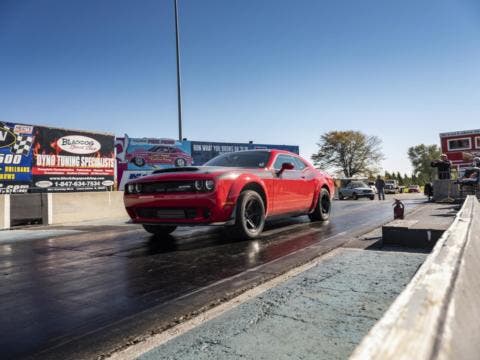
[
  {"x": 16, "y": 143},
  {"x": 137, "y": 157},
  {"x": 69, "y": 160},
  {"x": 203, "y": 151}
]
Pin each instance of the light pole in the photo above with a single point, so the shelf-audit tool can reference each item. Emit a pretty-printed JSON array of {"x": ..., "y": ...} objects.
[{"x": 179, "y": 96}]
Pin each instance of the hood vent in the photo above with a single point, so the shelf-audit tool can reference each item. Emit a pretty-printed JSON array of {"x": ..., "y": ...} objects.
[{"x": 176, "y": 169}]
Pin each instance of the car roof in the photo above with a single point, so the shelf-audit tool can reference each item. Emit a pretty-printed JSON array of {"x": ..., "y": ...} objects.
[{"x": 273, "y": 151}]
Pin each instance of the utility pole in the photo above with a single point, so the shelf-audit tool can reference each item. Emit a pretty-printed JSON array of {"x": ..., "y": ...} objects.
[{"x": 179, "y": 96}]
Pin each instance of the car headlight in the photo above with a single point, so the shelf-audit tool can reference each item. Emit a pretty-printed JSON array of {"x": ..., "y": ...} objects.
[
  {"x": 138, "y": 188},
  {"x": 209, "y": 185},
  {"x": 198, "y": 185},
  {"x": 130, "y": 188}
]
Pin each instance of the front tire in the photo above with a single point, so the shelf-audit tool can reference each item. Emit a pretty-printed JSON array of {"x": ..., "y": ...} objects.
[
  {"x": 249, "y": 215},
  {"x": 355, "y": 196},
  {"x": 323, "y": 207},
  {"x": 159, "y": 230},
  {"x": 372, "y": 197}
]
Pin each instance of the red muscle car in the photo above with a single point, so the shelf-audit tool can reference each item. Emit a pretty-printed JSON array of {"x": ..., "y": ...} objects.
[
  {"x": 160, "y": 154},
  {"x": 240, "y": 189}
]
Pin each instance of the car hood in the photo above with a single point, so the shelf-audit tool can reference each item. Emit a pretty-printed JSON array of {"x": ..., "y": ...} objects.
[
  {"x": 362, "y": 188},
  {"x": 194, "y": 172}
]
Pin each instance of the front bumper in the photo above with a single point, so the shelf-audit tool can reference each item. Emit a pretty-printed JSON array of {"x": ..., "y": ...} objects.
[{"x": 179, "y": 209}]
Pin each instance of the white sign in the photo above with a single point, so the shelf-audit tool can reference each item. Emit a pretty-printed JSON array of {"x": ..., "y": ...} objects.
[{"x": 77, "y": 144}]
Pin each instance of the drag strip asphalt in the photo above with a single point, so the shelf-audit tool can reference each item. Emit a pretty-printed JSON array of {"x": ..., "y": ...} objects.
[{"x": 99, "y": 288}]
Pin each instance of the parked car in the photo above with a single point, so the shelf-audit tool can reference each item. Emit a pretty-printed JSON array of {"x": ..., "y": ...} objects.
[
  {"x": 241, "y": 189},
  {"x": 160, "y": 155},
  {"x": 414, "y": 189},
  {"x": 356, "y": 190},
  {"x": 393, "y": 187}
]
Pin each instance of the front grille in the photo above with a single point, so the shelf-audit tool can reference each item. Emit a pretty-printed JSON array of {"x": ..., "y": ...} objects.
[
  {"x": 167, "y": 187},
  {"x": 166, "y": 213},
  {"x": 367, "y": 191}
]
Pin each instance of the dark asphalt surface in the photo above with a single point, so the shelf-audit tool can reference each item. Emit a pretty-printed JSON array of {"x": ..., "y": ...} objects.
[{"x": 80, "y": 295}]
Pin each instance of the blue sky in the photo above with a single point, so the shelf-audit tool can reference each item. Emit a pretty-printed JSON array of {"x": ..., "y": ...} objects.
[{"x": 272, "y": 71}]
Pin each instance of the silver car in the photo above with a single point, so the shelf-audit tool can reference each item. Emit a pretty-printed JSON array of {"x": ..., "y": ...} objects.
[{"x": 356, "y": 190}]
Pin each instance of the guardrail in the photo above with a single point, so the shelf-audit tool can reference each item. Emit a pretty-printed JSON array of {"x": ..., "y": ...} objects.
[{"x": 437, "y": 316}]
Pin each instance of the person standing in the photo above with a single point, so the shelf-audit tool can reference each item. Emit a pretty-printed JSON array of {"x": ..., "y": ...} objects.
[
  {"x": 443, "y": 166},
  {"x": 380, "y": 185}
]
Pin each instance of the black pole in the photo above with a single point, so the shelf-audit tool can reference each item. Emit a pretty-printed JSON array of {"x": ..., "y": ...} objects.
[{"x": 179, "y": 96}]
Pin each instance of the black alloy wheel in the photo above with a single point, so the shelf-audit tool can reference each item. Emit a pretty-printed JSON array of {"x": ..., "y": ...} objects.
[
  {"x": 159, "y": 230},
  {"x": 250, "y": 215},
  {"x": 323, "y": 208}
]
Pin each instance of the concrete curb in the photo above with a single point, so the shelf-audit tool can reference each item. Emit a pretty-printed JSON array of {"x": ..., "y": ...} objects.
[{"x": 436, "y": 316}]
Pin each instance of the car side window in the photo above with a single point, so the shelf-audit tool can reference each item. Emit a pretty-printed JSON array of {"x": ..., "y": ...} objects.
[
  {"x": 283, "y": 159},
  {"x": 299, "y": 164}
]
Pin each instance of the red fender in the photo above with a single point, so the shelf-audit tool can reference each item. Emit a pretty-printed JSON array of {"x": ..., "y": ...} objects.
[
  {"x": 240, "y": 182},
  {"x": 327, "y": 181}
]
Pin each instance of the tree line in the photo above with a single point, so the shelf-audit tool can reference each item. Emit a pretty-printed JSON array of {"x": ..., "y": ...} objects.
[{"x": 352, "y": 153}]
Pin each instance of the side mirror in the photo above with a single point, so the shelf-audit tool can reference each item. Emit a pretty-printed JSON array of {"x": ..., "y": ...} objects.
[{"x": 285, "y": 166}]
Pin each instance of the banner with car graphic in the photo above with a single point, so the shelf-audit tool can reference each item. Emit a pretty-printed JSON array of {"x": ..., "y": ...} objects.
[
  {"x": 16, "y": 142},
  {"x": 138, "y": 157},
  {"x": 68, "y": 160}
]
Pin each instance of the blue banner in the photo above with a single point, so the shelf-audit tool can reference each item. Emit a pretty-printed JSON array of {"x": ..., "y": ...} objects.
[
  {"x": 16, "y": 148},
  {"x": 202, "y": 151}
]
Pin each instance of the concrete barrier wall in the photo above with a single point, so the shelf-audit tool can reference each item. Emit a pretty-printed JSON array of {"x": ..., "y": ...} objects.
[
  {"x": 4, "y": 211},
  {"x": 60, "y": 208},
  {"x": 438, "y": 315},
  {"x": 443, "y": 189},
  {"x": 84, "y": 206}
]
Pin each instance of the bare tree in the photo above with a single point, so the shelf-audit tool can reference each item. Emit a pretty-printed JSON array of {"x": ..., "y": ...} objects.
[{"x": 350, "y": 152}]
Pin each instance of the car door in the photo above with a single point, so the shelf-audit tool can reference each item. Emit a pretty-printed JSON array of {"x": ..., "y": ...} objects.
[
  {"x": 289, "y": 192},
  {"x": 348, "y": 190},
  {"x": 308, "y": 184}
]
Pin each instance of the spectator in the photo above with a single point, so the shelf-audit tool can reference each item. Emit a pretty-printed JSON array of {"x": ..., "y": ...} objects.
[
  {"x": 443, "y": 165},
  {"x": 380, "y": 185}
]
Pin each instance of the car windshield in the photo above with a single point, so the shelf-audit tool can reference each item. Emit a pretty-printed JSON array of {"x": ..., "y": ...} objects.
[
  {"x": 358, "y": 184},
  {"x": 247, "y": 159}
]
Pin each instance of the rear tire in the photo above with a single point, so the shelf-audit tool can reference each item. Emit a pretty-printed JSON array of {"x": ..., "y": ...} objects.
[
  {"x": 249, "y": 215},
  {"x": 159, "y": 230},
  {"x": 138, "y": 161},
  {"x": 323, "y": 207}
]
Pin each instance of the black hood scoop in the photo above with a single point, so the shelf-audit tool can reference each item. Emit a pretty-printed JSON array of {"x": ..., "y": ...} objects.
[{"x": 176, "y": 169}]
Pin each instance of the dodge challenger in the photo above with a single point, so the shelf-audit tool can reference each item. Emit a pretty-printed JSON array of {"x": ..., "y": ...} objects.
[{"x": 240, "y": 190}]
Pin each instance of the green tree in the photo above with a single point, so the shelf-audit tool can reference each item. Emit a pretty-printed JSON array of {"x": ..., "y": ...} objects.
[
  {"x": 350, "y": 152},
  {"x": 421, "y": 157},
  {"x": 400, "y": 178}
]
